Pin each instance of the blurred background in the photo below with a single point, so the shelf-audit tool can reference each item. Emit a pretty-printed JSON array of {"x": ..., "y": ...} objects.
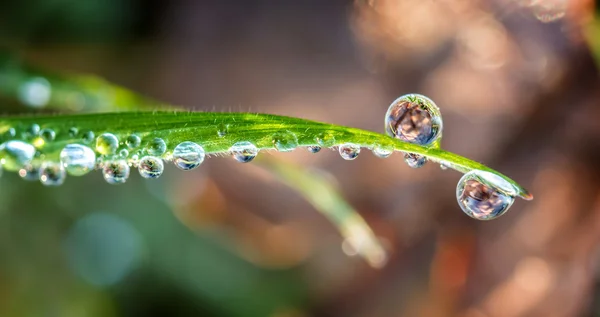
[{"x": 517, "y": 84}]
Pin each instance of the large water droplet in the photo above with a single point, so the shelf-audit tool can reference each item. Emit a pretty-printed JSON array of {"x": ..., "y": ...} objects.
[
  {"x": 414, "y": 160},
  {"x": 77, "y": 159},
  {"x": 244, "y": 151},
  {"x": 157, "y": 147},
  {"x": 151, "y": 167},
  {"x": 133, "y": 141},
  {"x": 349, "y": 151},
  {"x": 313, "y": 148},
  {"x": 107, "y": 144},
  {"x": 30, "y": 172},
  {"x": 16, "y": 154},
  {"x": 116, "y": 172},
  {"x": 414, "y": 118},
  {"x": 188, "y": 155},
  {"x": 382, "y": 151},
  {"x": 484, "y": 195},
  {"x": 52, "y": 174},
  {"x": 285, "y": 141}
]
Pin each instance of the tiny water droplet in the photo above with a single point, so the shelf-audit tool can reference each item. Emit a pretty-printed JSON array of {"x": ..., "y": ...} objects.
[
  {"x": 32, "y": 132},
  {"x": 73, "y": 132},
  {"x": 157, "y": 147},
  {"x": 10, "y": 133},
  {"x": 151, "y": 167},
  {"x": 188, "y": 155},
  {"x": 16, "y": 154},
  {"x": 414, "y": 160},
  {"x": 115, "y": 172},
  {"x": 52, "y": 174},
  {"x": 133, "y": 141},
  {"x": 48, "y": 135},
  {"x": 77, "y": 159},
  {"x": 222, "y": 130},
  {"x": 382, "y": 152},
  {"x": 349, "y": 151},
  {"x": 414, "y": 118},
  {"x": 107, "y": 144},
  {"x": 88, "y": 136},
  {"x": 123, "y": 153},
  {"x": 313, "y": 148},
  {"x": 30, "y": 172},
  {"x": 285, "y": 141},
  {"x": 484, "y": 195},
  {"x": 135, "y": 160},
  {"x": 243, "y": 151},
  {"x": 443, "y": 166},
  {"x": 325, "y": 139}
]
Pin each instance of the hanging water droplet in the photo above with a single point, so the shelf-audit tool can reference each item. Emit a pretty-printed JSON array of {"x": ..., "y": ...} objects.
[
  {"x": 243, "y": 151},
  {"x": 107, "y": 144},
  {"x": 133, "y": 141},
  {"x": 73, "y": 131},
  {"x": 285, "y": 141},
  {"x": 77, "y": 159},
  {"x": 151, "y": 167},
  {"x": 414, "y": 160},
  {"x": 16, "y": 154},
  {"x": 188, "y": 155},
  {"x": 349, "y": 151},
  {"x": 443, "y": 166},
  {"x": 48, "y": 135},
  {"x": 88, "y": 136},
  {"x": 30, "y": 172},
  {"x": 382, "y": 152},
  {"x": 157, "y": 147},
  {"x": 115, "y": 172},
  {"x": 414, "y": 118},
  {"x": 35, "y": 92},
  {"x": 52, "y": 174},
  {"x": 313, "y": 148},
  {"x": 484, "y": 195},
  {"x": 222, "y": 130}
]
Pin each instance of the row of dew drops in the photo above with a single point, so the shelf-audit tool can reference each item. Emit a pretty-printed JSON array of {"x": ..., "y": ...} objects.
[{"x": 412, "y": 118}]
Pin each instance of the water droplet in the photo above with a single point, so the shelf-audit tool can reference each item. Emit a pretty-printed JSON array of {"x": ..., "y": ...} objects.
[
  {"x": 10, "y": 133},
  {"x": 73, "y": 132},
  {"x": 135, "y": 160},
  {"x": 222, "y": 130},
  {"x": 48, "y": 135},
  {"x": 107, "y": 144},
  {"x": 78, "y": 159},
  {"x": 16, "y": 154},
  {"x": 52, "y": 174},
  {"x": 123, "y": 153},
  {"x": 414, "y": 118},
  {"x": 484, "y": 195},
  {"x": 157, "y": 147},
  {"x": 443, "y": 166},
  {"x": 133, "y": 141},
  {"x": 285, "y": 141},
  {"x": 382, "y": 152},
  {"x": 414, "y": 160},
  {"x": 115, "y": 172},
  {"x": 32, "y": 132},
  {"x": 35, "y": 92},
  {"x": 151, "y": 167},
  {"x": 325, "y": 139},
  {"x": 313, "y": 148},
  {"x": 30, "y": 172},
  {"x": 244, "y": 151},
  {"x": 349, "y": 151},
  {"x": 188, "y": 155},
  {"x": 88, "y": 136}
]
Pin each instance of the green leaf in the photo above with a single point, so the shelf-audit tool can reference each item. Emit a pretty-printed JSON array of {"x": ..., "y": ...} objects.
[{"x": 217, "y": 132}]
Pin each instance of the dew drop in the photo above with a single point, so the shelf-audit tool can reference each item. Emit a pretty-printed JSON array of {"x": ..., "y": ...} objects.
[
  {"x": 243, "y": 151},
  {"x": 151, "y": 167},
  {"x": 30, "y": 172},
  {"x": 285, "y": 141},
  {"x": 135, "y": 160},
  {"x": 48, "y": 135},
  {"x": 116, "y": 172},
  {"x": 188, "y": 155},
  {"x": 222, "y": 130},
  {"x": 88, "y": 136},
  {"x": 10, "y": 133},
  {"x": 52, "y": 174},
  {"x": 77, "y": 159},
  {"x": 484, "y": 195},
  {"x": 123, "y": 153},
  {"x": 16, "y": 154},
  {"x": 157, "y": 147},
  {"x": 133, "y": 141},
  {"x": 107, "y": 144},
  {"x": 349, "y": 151},
  {"x": 32, "y": 132},
  {"x": 414, "y": 118},
  {"x": 325, "y": 139},
  {"x": 314, "y": 148},
  {"x": 443, "y": 166},
  {"x": 414, "y": 160},
  {"x": 382, "y": 152},
  {"x": 73, "y": 132}
]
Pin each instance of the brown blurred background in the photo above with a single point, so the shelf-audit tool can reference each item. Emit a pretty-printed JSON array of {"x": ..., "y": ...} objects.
[{"x": 517, "y": 84}]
